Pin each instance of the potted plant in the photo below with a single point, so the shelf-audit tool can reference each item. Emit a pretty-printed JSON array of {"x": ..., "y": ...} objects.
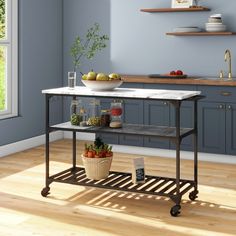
[
  {"x": 87, "y": 47},
  {"x": 97, "y": 159}
]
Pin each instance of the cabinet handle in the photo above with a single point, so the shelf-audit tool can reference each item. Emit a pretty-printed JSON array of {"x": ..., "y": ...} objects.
[
  {"x": 165, "y": 103},
  {"x": 220, "y": 106},
  {"x": 225, "y": 93},
  {"x": 230, "y": 107}
]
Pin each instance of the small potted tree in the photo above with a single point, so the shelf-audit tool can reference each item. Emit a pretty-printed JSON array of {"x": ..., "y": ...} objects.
[
  {"x": 97, "y": 159},
  {"x": 87, "y": 47}
]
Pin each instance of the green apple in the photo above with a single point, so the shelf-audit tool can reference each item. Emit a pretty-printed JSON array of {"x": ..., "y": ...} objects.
[
  {"x": 84, "y": 77},
  {"x": 91, "y": 75},
  {"x": 114, "y": 76},
  {"x": 102, "y": 76}
]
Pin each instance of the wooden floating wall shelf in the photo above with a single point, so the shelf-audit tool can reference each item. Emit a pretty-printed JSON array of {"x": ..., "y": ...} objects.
[
  {"x": 202, "y": 33},
  {"x": 191, "y": 9}
]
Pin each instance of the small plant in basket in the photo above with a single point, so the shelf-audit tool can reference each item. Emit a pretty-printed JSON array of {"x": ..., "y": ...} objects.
[
  {"x": 98, "y": 149},
  {"x": 97, "y": 158}
]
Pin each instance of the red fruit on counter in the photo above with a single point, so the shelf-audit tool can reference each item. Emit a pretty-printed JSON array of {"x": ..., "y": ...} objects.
[
  {"x": 179, "y": 72},
  {"x": 172, "y": 72}
]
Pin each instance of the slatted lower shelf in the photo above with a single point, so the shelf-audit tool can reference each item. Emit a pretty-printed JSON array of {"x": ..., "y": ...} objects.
[{"x": 153, "y": 185}]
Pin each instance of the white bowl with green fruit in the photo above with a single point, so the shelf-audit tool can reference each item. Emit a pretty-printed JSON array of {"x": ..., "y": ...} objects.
[{"x": 101, "y": 81}]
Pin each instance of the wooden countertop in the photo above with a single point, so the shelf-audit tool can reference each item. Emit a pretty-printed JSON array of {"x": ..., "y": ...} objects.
[{"x": 189, "y": 80}]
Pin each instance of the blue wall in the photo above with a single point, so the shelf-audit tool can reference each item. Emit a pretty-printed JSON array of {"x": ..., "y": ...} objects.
[
  {"x": 138, "y": 42},
  {"x": 138, "y": 45},
  {"x": 40, "y": 67}
]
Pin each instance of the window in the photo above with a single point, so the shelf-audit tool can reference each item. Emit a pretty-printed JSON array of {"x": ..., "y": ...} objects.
[{"x": 8, "y": 58}]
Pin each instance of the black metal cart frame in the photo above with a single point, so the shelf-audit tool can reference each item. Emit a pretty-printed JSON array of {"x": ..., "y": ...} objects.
[{"x": 174, "y": 188}]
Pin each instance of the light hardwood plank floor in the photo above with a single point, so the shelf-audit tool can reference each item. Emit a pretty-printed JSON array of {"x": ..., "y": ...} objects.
[{"x": 75, "y": 210}]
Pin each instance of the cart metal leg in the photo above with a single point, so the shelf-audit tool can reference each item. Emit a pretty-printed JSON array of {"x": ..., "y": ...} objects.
[
  {"x": 74, "y": 145},
  {"x": 175, "y": 210},
  {"x": 74, "y": 151},
  {"x": 46, "y": 189},
  {"x": 193, "y": 194}
]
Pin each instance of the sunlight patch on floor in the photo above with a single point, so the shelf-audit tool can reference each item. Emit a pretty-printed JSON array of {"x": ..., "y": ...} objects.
[{"x": 155, "y": 223}]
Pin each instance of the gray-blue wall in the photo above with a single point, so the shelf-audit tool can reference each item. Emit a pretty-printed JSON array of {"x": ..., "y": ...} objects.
[
  {"x": 138, "y": 42},
  {"x": 40, "y": 67},
  {"x": 138, "y": 45}
]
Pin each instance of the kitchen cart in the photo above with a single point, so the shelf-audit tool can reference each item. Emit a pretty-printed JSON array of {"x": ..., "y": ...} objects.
[{"x": 174, "y": 188}]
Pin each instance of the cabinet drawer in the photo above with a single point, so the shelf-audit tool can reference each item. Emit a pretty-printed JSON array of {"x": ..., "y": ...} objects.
[
  {"x": 218, "y": 94},
  {"x": 131, "y": 85},
  {"x": 170, "y": 87}
]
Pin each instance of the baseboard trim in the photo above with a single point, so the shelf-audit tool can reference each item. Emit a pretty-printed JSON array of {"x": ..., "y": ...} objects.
[
  {"x": 28, "y": 143},
  {"x": 187, "y": 155},
  {"x": 80, "y": 136},
  {"x": 39, "y": 140}
]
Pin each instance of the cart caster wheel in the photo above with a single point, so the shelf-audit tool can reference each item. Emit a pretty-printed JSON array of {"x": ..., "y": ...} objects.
[
  {"x": 175, "y": 210},
  {"x": 45, "y": 191},
  {"x": 193, "y": 195}
]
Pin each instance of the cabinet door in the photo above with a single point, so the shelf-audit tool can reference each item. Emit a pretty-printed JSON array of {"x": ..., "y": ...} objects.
[
  {"x": 186, "y": 121},
  {"x": 212, "y": 127},
  {"x": 108, "y": 138},
  {"x": 231, "y": 129},
  {"x": 156, "y": 113},
  {"x": 133, "y": 114}
]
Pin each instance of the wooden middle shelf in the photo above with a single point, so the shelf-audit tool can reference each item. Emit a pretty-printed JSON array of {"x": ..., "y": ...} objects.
[
  {"x": 201, "y": 33},
  {"x": 191, "y": 9}
]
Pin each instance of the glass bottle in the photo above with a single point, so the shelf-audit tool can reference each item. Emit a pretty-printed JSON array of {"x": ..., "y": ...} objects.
[
  {"x": 116, "y": 114},
  {"x": 94, "y": 113},
  {"x": 75, "y": 109},
  {"x": 105, "y": 118}
]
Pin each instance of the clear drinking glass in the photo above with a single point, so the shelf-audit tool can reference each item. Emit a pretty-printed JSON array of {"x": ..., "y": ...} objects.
[{"x": 71, "y": 79}]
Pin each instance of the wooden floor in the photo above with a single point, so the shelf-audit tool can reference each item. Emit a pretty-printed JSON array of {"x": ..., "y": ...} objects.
[{"x": 75, "y": 210}]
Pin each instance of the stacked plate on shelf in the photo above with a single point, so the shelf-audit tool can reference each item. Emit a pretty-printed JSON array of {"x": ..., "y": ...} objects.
[
  {"x": 215, "y": 24},
  {"x": 187, "y": 29}
]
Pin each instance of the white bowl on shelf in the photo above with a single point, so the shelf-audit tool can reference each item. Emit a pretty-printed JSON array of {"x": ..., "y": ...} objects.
[
  {"x": 215, "y": 27},
  {"x": 214, "y": 20},
  {"x": 102, "y": 85},
  {"x": 216, "y": 24}
]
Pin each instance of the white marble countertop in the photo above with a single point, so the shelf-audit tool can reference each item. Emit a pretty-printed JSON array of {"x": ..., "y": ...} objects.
[{"x": 158, "y": 94}]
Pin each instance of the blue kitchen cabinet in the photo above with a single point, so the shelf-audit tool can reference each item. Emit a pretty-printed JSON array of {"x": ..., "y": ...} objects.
[
  {"x": 156, "y": 113},
  {"x": 212, "y": 127},
  {"x": 217, "y": 120},
  {"x": 163, "y": 113},
  {"x": 186, "y": 114},
  {"x": 216, "y": 114},
  {"x": 231, "y": 128},
  {"x": 132, "y": 114}
]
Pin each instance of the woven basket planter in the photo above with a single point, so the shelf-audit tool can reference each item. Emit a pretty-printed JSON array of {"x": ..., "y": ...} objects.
[{"x": 97, "y": 168}]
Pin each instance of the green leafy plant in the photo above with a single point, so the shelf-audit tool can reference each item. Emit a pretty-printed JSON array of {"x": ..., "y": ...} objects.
[{"x": 89, "y": 46}]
